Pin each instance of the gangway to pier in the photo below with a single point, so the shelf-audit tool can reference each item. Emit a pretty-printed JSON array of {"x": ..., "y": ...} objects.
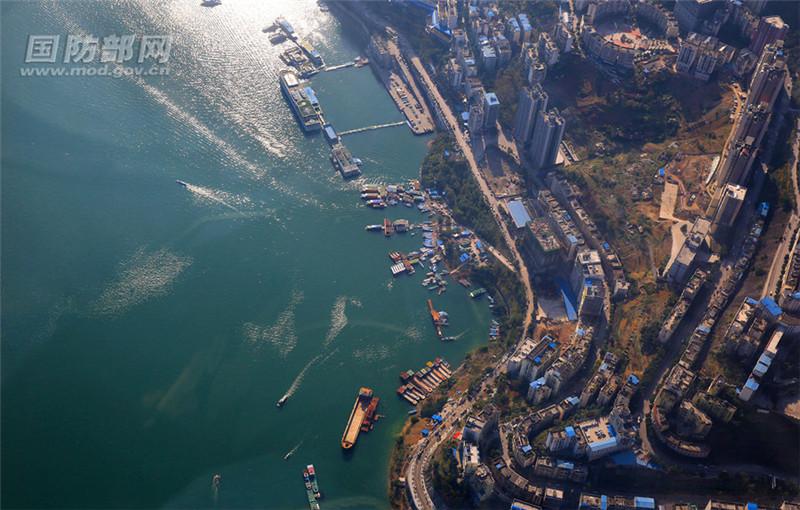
[
  {"x": 340, "y": 66},
  {"x": 370, "y": 128}
]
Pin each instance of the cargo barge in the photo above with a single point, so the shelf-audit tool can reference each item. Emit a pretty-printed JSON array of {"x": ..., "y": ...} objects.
[
  {"x": 302, "y": 100},
  {"x": 362, "y": 417}
]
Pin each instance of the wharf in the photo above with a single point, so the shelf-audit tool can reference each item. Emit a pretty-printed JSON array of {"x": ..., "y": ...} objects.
[
  {"x": 370, "y": 128},
  {"x": 343, "y": 161},
  {"x": 418, "y": 385}
]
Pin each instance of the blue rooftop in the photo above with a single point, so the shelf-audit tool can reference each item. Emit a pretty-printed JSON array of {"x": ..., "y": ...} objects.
[
  {"x": 526, "y": 448},
  {"x": 491, "y": 98},
  {"x": 311, "y": 95},
  {"x": 752, "y": 506},
  {"x": 771, "y": 306},
  {"x": 564, "y": 464},
  {"x": 633, "y": 379},
  {"x": 519, "y": 213},
  {"x": 642, "y": 502},
  {"x": 570, "y": 431}
]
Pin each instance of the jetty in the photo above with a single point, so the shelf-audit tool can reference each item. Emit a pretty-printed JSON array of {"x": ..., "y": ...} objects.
[
  {"x": 418, "y": 385},
  {"x": 439, "y": 319},
  {"x": 370, "y": 128}
]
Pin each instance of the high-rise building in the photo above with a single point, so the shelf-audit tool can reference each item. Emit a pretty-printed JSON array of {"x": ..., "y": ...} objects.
[
  {"x": 729, "y": 206},
  {"x": 737, "y": 163},
  {"x": 768, "y": 78},
  {"x": 700, "y": 55},
  {"x": 591, "y": 299},
  {"x": 770, "y": 30},
  {"x": 547, "y": 49},
  {"x": 532, "y": 100},
  {"x": 536, "y": 72},
  {"x": 491, "y": 110},
  {"x": 475, "y": 122},
  {"x": 525, "y": 27},
  {"x": 756, "y": 5},
  {"x": 547, "y": 135},
  {"x": 690, "y": 13}
]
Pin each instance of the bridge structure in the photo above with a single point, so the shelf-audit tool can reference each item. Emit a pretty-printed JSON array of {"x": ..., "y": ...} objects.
[{"x": 370, "y": 128}]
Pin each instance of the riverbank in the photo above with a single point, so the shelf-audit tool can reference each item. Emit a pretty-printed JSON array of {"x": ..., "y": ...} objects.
[{"x": 440, "y": 169}]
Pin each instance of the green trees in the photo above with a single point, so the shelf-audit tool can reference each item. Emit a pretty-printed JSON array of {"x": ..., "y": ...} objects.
[{"x": 451, "y": 175}]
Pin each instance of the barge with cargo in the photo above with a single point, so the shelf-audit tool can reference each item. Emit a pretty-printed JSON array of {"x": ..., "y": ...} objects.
[{"x": 362, "y": 417}]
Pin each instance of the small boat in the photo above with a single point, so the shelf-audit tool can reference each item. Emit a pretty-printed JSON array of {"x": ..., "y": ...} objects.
[
  {"x": 184, "y": 184},
  {"x": 282, "y": 401},
  {"x": 211, "y": 3},
  {"x": 289, "y": 454},
  {"x": 277, "y": 38},
  {"x": 216, "y": 480},
  {"x": 312, "y": 475},
  {"x": 372, "y": 228}
]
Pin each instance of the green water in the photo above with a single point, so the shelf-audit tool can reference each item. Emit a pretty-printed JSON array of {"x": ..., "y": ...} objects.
[{"x": 148, "y": 329}]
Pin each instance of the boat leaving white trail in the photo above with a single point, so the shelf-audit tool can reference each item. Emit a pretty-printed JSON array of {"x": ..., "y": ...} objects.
[
  {"x": 209, "y": 194},
  {"x": 292, "y": 451},
  {"x": 320, "y": 358},
  {"x": 338, "y": 320}
]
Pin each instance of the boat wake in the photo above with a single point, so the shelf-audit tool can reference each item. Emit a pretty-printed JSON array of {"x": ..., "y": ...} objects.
[
  {"x": 372, "y": 353},
  {"x": 292, "y": 451},
  {"x": 141, "y": 277},
  {"x": 456, "y": 337},
  {"x": 217, "y": 196},
  {"x": 338, "y": 320},
  {"x": 282, "y": 334},
  {"x": 298, "y": 380}
]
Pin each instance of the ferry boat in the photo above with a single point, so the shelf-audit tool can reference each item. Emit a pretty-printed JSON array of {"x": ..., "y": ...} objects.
[
  {"x": 277, "y": 38},
  {"x": 285, "y": 26},
  {"x": 312, "y": 475},
  {"x": 477, "y": 293},
  {"x": 302, "y": 101}
]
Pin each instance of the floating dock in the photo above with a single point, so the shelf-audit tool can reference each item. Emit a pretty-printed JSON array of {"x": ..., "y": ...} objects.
[
  {"x": 418, "y": 385},
  {"x": 363, "y": 410},
  {"x": 343, "y": 161},
  {"x": 439, "y": 319}
]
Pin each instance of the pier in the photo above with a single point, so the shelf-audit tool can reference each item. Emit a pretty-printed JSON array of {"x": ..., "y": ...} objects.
[
  {"x": 370, "y": 128},
  {"x": 340, "y": 66}
]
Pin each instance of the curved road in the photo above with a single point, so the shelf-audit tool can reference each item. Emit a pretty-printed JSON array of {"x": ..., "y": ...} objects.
[{"x": 466, "y": 149}]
